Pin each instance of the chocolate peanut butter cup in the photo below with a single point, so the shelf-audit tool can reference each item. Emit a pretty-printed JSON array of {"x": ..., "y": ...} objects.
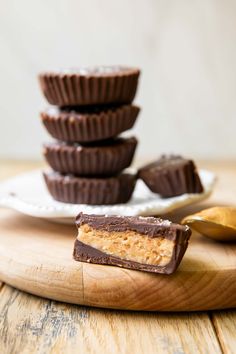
[
  {"x": 90, "y": 86},
  {"x": 106, "y": 159},
  {"x": 89, "y": 124},
  {"x": 171, "y": 176},
  {"x": 139, "y": 243},
  {"x": 93, "y": 191}
]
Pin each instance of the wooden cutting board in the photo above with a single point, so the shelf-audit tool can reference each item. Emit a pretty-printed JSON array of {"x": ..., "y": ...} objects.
[{"x": 36, "y": 256}]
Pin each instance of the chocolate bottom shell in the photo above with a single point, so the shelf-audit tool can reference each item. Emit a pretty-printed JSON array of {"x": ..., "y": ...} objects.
[
  {"x": 90, "y": 86},
  {"x": 93, "y": 191},
  {"x": 90, "y": 124},
  {"x": 107, "y": 159}
]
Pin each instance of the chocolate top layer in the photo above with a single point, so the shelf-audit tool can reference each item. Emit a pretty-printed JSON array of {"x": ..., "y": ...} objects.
[
  {"x": 102, "y": 70},
  {"x": 166, "y": 161},
  {"x": 150, "y": 226},
  {"x": 104, "y": 144},
  {"x": 69, "y": 178},
  {"x": 84, "y": 110}
]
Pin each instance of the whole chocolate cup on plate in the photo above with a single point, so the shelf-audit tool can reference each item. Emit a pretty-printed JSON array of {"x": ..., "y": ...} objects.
[
  {"x": 171, "y": 176},
  {"x": 93, "y": 191},
  {"x": 84, "y": 125},
  {"x": 106, "y": 159},
  {"x": 90, "y": 86}
]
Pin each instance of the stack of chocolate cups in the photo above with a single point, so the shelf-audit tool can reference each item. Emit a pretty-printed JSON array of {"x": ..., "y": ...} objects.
[{"x": 91, "y": 107}]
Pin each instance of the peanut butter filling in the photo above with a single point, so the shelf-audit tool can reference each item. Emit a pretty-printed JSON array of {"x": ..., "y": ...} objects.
[{"x": 129, "y": 245}]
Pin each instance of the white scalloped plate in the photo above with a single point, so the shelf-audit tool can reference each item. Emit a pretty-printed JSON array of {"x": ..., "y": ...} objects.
[{"x": 27, "y": 194}]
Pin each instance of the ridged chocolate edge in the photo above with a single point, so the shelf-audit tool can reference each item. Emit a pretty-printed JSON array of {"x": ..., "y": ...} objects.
[
  {"x": 74, "y": 89},
  {"x": 84, "y": 128},
  {"x": 92, "y": 191},
  {"x": 174, "y": 182},
  {"x": 85, "y": 253},
  {"x": 91, "y": 161}
]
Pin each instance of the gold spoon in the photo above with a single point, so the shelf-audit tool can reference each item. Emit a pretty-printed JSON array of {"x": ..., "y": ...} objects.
[{"x": 218, "y": 223}]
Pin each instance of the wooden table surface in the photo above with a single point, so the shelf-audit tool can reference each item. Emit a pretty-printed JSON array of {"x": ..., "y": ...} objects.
[{"x": 29, "y": 324}]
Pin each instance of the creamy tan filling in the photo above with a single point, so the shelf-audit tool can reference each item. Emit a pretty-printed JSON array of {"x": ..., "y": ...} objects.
[{"x": 129, "y": 245}]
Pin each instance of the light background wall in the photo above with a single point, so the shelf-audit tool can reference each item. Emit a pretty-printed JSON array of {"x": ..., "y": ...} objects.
[{"x": 186, "y": 50}]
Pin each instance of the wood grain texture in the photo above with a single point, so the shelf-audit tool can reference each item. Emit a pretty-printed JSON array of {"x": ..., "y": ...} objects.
[
  {"x": 29, "y": 324},
  {"x": 225, "y": 327},
  {"x": 36, "y": 256}
]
